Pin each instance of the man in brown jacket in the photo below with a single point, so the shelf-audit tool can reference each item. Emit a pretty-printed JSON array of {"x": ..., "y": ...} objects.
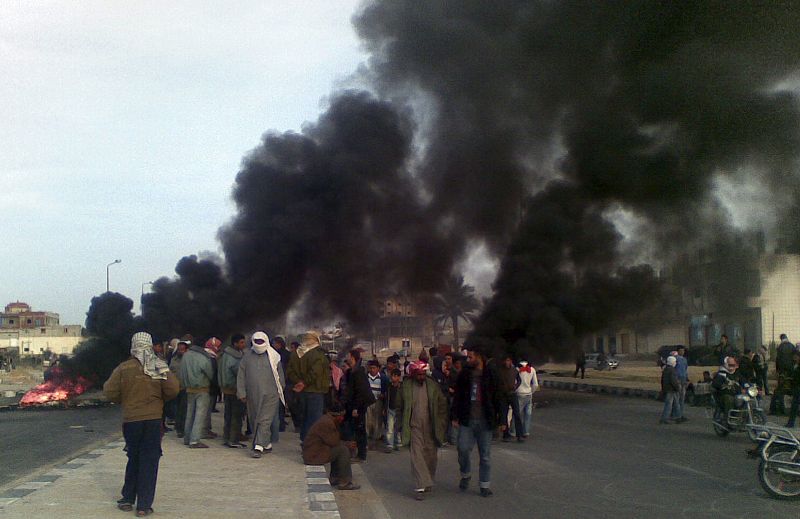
[
  {"x": 142, "y": 384},
  {"x": 323, "y": 444}
]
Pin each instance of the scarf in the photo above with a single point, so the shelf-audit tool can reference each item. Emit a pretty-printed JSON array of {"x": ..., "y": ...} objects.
[
  {"x": 142, "y": 350},
  {"x": 524, "y": 368},
  {"x": 274, "y": 358},
  {"x": 212, "y": 347},
  {"x": 336, "y": 375},
  {"x": 310, "y": 340}
]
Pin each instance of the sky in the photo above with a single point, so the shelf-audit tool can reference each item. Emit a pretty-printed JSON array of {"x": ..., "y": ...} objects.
[{"x": 123, "y": 125}]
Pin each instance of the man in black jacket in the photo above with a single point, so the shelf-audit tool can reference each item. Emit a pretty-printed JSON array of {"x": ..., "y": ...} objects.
[
  {"x": 670, "y": 387},
  {"x": 475, "y": 412},
  {"x": 357, "y": 398}
]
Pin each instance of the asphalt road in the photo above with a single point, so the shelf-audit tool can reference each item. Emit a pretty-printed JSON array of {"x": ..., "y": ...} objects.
[
  {"x": 32, "y": 440},
  {"x": 588, "y": 456}
]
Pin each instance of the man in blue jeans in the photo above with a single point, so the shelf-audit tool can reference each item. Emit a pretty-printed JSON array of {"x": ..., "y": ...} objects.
[
  {"x": 670, "y": 387},
  {"x": 141, "y": 384},
  {"x": 310, "y": 371},
  {"x": 475, "y": 412}
]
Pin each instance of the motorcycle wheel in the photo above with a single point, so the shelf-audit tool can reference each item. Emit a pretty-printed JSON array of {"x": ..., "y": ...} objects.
[
  {"x": 776, "y": 484},
  {"x": 758, "y": 419},
  {"x": 718, "y": 428}
]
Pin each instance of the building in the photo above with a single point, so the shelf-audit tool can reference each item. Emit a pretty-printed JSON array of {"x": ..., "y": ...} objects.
[
  {"x": 772, "y": 307},
  {"x": 25, "y": 333},
  {"x": 20, "y": 315},
  {"x": 401, "y": 326}
]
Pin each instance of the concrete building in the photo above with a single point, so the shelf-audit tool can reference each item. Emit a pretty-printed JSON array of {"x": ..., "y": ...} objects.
[
  {"x": 401, "y": 325},
  {"x": 772, "y": 308},
  {"x": 25, "y": 333}
]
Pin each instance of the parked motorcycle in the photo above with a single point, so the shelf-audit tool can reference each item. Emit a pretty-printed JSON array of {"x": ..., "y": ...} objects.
[
  {"x": 746, "y": 412},
  {"x": 779, "y": 467}
]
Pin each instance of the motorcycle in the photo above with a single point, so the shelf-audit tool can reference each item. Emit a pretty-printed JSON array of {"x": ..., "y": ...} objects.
[
  {"x": 779, "y": 466},
  {"x": 745, "y": 413}
]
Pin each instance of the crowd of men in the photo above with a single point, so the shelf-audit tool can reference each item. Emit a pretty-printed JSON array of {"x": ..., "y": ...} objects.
[
  {"x": 341, "y": 409},
  {"x": 734, "y": 372}
]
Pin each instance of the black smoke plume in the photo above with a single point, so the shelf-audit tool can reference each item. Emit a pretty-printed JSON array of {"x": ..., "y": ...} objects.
[{"x": 568, "y": 113}]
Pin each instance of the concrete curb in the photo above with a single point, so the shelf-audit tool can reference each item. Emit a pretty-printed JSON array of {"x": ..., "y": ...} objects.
[
  {"x": 650, "y": 394},
  {"x": 321, "y": 500},
  {"x": 11, "y": 495}
]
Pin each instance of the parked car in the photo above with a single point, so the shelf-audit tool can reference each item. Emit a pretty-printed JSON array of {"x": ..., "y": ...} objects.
[{"x": 594, "y": 361}]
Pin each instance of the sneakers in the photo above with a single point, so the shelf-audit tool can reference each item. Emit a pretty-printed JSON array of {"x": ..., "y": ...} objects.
[
  {"x": 268, "y": 448},
  {"x": 255, "y": 454},
  {"x": 464, "y": 483},
  {"x": 486, "y": 492},
  {"x": 419, "y": 494},
  {"x": 235, "y": 445},
  {"x": 198, "y": 445},
  {"x": 349, "y": 486}
]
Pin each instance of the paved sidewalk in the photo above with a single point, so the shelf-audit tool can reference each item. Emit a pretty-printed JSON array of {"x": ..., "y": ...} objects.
[{"x": 218, "y": 482}]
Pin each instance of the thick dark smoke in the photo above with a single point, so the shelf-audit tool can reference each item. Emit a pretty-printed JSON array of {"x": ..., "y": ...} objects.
[{"x": 566, "y": 112}]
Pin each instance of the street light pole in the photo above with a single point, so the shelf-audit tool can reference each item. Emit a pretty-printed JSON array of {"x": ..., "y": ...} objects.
[
  {"x": 108, "y": 284},
  {"x": 145, "y": 284}
]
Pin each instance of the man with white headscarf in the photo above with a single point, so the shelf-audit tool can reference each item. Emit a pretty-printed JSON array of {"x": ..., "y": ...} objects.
[
  {"x": 141, "y": 384},
  {"x": 259, "y": 384}
]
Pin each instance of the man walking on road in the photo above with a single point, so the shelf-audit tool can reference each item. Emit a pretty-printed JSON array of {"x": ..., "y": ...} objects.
[
  {"x": 670, "y": 387},
  {"x": 528, "y": 385},
  {"x": 424, "y": 424},
  {"x": 259, "y": 384},
  {"x": 475, "y": 412},
  {"x": 309, "y": 369},
  {"x": 142, "y": 384},
  {"x": 228, "y": 371},
  {"x": 358, "y": 397}
]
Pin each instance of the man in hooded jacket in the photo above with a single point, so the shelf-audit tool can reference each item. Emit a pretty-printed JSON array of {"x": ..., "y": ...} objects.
[
  {"x": 196, "y": 374},
  {"x": 260, "y": 384},
  {"x": 309, "y": 370},
  {"x": 227, "y": 372},
  {"x": 141, "y": 384}
]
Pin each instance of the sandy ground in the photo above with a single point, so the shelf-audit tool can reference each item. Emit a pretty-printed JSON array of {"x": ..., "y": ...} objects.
[{"x": 634, "y": 374}]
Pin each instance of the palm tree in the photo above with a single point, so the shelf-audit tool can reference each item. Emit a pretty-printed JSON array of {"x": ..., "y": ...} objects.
[{"x": 455, "y": 301}]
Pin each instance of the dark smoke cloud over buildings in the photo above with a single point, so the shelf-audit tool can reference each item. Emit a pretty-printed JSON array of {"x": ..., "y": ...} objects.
[{"x": 526, "y": 126}]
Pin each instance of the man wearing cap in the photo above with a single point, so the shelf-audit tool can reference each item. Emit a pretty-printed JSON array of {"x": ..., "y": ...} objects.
[
  {"x": 141, "y": 384},
  {"x": 323, "y": 444},
  {"x": 260, "y": 385},
  {"x": 310, "y": 372},
  {"x": 195, "y": 375},
  {"x": 234, "y": 409},
  {"x": 424, "y": 424}
]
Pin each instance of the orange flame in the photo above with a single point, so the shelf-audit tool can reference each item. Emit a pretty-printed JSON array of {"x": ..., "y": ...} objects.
[{"x": 56, "y": 389}]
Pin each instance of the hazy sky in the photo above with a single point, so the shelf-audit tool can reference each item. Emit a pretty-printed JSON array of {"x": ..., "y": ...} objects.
[{"x": 123, "y": 124}]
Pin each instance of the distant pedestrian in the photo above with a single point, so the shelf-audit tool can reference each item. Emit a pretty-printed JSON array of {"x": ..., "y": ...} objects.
[
  {"x": 141, "y": 384},
  {"x": 212, "y": 347},
  {"x": 394, "y": 411},
  {"x": 762, "y": 368},
  {"x": 228, "y": 371},
  {"x": 794, "y": 383},
  {"x": 358, "y": 397},
  {"x": 783, "y": 367},
  {"x": 260, "y": 384},
  {"x": 180, "y": 406},
  {"x": 196, "y": 374},
  {"x": 580, "y": 364},
  {"x": 527, "y": 386},
  {"x": 476, "y": 413},
  {"x": 279, "y": 344},
  {"x": 682, "y": 372},
  {"x": 309, "y": 369},
  {"x": 377, "y": 384},
  {"x": 323, "y": 444},
  {"x": 670, "y": 388},
  {"x": 424, "y": 419},
  {"x": 507, "y": 386}
]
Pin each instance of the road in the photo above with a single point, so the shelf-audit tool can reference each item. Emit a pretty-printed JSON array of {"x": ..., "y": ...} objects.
[
  {"x": 32, "y": 440},
  {"x": 589, "y": 456}
]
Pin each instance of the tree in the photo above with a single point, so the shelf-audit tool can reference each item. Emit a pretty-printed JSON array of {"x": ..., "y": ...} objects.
[{"x": 455, "y": 301}]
